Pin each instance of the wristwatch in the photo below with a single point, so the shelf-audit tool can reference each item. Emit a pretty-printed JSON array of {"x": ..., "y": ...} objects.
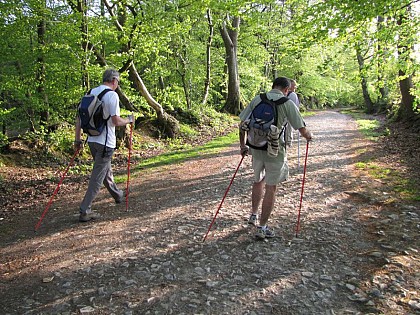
[{"x": 77, "y": 142}]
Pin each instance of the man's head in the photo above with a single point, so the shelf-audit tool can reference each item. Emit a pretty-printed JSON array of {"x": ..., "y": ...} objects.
[
  {"x": 293, "y": 85},
  {"x": 111, "y": 77},
  {"x": 282, "y": 84}
]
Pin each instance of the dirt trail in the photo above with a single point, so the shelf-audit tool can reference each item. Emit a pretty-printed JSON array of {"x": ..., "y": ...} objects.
[{"x": 151, "y": 259}]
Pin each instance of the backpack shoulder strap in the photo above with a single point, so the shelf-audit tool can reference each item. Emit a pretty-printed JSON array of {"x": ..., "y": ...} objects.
[
  {"x": 265, "y": 99},
  {"x": 103, "y": 93},
  {"x": 281, "y": 100},
  {"x": 100, "y": 98}
]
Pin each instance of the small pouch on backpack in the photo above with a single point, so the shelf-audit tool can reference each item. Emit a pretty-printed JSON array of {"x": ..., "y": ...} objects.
[{"x": 273, "y": 141}]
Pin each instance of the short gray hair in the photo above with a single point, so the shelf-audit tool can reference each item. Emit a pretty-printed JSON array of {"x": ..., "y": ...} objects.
[{"x": 110, "y": 74}]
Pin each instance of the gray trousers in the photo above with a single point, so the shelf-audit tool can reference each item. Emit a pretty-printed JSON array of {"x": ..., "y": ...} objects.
[{"x": 101, "y": 174}]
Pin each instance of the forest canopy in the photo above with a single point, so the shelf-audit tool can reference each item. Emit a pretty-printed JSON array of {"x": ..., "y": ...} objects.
[{"x": 197, "y": 56}]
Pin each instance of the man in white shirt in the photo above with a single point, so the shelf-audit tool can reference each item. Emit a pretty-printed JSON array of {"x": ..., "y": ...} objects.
[
  {"x": 102, "y": 146},
  {"x": 292, "y": 93},
  {"x": 295, "y": 99}
]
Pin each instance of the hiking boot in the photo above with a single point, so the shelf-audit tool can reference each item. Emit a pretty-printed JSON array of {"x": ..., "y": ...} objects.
[
  {"x": 264, "y": 233},
  {"x": 86, "y": 217},
  {"x": 119, "y": 200},
  {"x": 253, "y": 219}
]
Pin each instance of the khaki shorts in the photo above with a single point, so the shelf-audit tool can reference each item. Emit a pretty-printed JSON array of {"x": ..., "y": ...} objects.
[{"x": 273, "y": 172}]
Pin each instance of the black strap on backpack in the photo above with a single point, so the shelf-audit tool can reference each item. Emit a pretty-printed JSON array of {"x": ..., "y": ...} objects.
[
  {"x": 276, "y": 103},
  {"x": 103, "y": 93},
  {"x": 106, "y": 120}
]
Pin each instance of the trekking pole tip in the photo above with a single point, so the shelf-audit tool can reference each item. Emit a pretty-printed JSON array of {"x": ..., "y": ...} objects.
[{"x": 297, "y": 239}]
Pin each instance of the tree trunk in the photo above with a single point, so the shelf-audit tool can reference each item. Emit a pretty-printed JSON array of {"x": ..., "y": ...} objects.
[
  {"x": 407, "y": 99},
  {"x": 182, "y": 71},
  {"x": 383, "y": 89},
  {"x": 82, "y": 8},
  {"x": 40, "y": 73},
  {"x": 406, "y": 111},
  {"x": 366, "y": 96},
  {"x": 161, "y": 83},
  {"x": 208, "y": 58},
  {"x": 185, "y": 87},
  {"x": 170, "y": 124},
  {"x": 230, "y": 39}
]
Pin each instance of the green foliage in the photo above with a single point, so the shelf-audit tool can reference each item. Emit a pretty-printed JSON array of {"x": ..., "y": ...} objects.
[
  {"x": 61, "y": 141},
  {"x": 83, "y": 168},
  {"x": 171, "y": 97},
  {"x": 313, "y": 43},
  {"x": 187, "y": 132}
]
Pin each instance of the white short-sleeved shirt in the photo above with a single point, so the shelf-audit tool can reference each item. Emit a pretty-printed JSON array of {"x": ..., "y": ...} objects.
[
  {"x": 293, "y": 97},
  {"x": 111, "y": 106},
  {"x": 286, "y": 112}
]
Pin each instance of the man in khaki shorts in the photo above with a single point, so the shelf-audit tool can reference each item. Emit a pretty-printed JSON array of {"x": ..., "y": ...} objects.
[{"x": 270, "y": 170}]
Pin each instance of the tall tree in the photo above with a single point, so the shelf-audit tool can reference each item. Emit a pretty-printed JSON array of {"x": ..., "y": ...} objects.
[
  {"x": 405, "y": 49},
  {"x": 230, "y": 31},
  {"x": 82, "y": 8},
  {"x": 208, "y": 57},
  {"x": 40, "y": 62},
  {"x": 381, "y": 61},
  {"x": 364, "y": 80}
]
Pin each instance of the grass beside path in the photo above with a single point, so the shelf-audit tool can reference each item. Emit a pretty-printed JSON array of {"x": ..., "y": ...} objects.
[{"x": 177, "y": 156}]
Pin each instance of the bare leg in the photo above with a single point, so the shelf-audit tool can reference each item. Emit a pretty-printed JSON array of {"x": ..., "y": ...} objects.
[
  {"x": 268, "y": 203},
  {"x": 257, "y": 192}
]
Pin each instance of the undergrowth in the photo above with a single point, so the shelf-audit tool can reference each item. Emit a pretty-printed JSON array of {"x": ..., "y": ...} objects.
[
  {"x": 374, "y": 130},
  {"x": 43, "y": 149}
]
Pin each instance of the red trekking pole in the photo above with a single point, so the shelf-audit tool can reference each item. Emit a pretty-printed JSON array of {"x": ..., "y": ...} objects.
[
  {"x": 128, "y": 166},
  {"x": 301, "y": 192},
  {"x": 57, "y": 189},
  {"x": 227, "y": 190}
]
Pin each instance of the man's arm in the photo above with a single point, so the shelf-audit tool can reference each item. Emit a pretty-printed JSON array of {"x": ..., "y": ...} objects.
[
  {"x": 242, "y": 140},
  {"x": 78, "y": 130},
  {"x": 242, "y": 135},
  {"x": 119, "y": 121},
  {"x": 78, "y": 143},
  {"x": 305, "y": 133}
]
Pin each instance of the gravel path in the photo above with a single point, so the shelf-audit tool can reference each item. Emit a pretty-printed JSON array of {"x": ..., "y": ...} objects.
[{"x": 151, "y": 259}]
